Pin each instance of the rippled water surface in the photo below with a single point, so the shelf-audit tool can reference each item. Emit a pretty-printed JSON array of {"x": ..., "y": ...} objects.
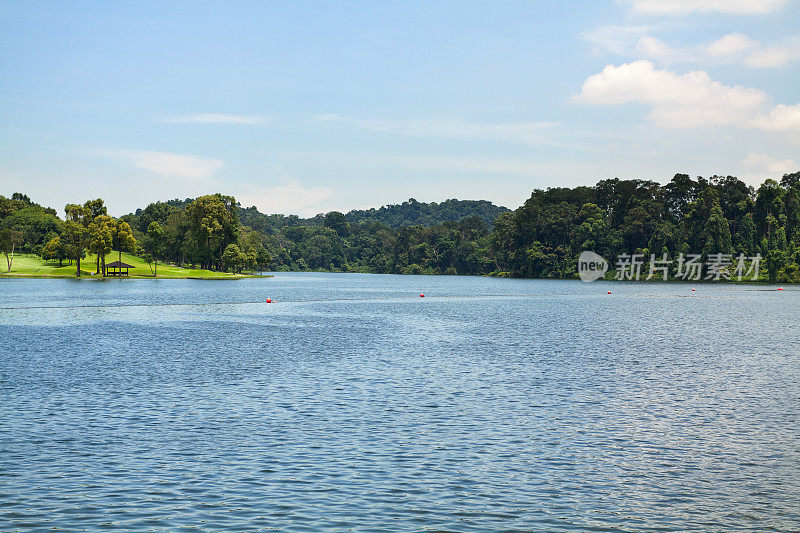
[{"x": 489, "y": 404}]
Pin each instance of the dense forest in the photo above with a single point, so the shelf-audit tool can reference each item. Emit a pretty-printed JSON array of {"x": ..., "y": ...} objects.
[
  {"x": 409, "y": 213},
  {"x": 542, "y": 238}
]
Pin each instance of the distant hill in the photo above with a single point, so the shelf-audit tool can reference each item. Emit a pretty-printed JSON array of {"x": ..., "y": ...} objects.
[
  {"x": 413, "y": 213},
  {"x": 409, "y": 213}
]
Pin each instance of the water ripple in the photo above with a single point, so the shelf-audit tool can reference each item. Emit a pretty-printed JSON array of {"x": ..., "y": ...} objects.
[{"x": 557, "y": 408}]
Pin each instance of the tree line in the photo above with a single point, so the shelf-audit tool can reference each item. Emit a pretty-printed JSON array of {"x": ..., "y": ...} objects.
[
  {"x": 206, "y": 232},
  {"x": 718, "y": 215},
  {"x": 542, "y": 238}
]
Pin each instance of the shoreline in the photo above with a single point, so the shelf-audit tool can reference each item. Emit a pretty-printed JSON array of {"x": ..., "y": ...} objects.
[
  {"x": 232, "y": 277},
  {"x": 30, "y": 266},
  {"x": 236, "y": 277}
]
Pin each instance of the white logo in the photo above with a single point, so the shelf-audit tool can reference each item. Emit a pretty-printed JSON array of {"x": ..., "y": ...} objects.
[{"x": 591, "y": 266}]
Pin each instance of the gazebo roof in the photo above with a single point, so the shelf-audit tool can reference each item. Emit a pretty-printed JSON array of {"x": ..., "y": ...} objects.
[{"x": 118, "y": 264}]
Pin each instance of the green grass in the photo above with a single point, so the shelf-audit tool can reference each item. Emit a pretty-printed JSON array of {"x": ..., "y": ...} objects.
[{"x": 28, "y": 265}]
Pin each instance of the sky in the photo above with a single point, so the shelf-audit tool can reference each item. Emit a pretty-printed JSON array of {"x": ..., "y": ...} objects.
[{"x": 307, "y": 107}]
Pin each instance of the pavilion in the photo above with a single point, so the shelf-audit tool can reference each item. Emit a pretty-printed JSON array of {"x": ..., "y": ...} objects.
[{"x": 115, "y": 269}]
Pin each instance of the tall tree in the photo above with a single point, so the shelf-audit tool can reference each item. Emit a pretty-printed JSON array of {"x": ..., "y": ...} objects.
[
  {"x": 717, "y": 231},
  {"x": 214, "y": 224},
  {"x": 9, "y": 240},
  {"x": 95, "y": 208},
  {"x": 153, "y": 243},
  {"x": 76, "y": 233},
  {"x": 101, "y": 240},
  {"x": 123, "y": 239}
]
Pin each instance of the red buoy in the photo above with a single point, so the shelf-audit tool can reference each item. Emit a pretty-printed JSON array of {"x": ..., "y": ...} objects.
[
  {"x": 780, "y": 288},
  {"x": 421, "y": 295},
  {"x": 269, "y": 300},
  {"x": 609, "y": 292},
  {"x": 693, "y": 290}
]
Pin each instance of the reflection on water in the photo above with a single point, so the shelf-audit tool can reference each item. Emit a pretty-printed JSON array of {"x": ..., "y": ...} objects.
[{"x": 527, "y": 405}]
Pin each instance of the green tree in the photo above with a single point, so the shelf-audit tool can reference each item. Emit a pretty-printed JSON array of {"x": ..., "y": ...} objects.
[
  {"x": 792, "y": 209},
  {"x": 745, "y": 239},
  {"x": 338, "y": 223},
  {"x": 263, "y": 258},
  {"x": 592, "y": 233},
  {"x": 178, "y": 243},
  {"x": 35, "y": 223},
  {"x": 95, "y": 208},
  {"x": 231, "y": 257},
  {"x": 9, "y": 240},
  {"x": 717, "y": 231},
  {"x": 213, "y": 223},
  {"x": 54, "y": 250},
  {"x": 122, "y": 238},
  {"x": 9, "y": 206},
  {"x": 76, "y": 233},
  {"x": 503, "y": 240},
  {"x": 153, "y": 244},
  {"x": 769, "y": 201},
  {"x": 101, "y": 240}
]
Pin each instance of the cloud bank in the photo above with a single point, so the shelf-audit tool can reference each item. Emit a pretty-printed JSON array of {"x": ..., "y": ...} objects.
[
  {"x": 687, "y": 100},
  {"x": 732, "y": 48},
  {"x": 166, "y": 163},
  {"x": 770, "y": 165}
]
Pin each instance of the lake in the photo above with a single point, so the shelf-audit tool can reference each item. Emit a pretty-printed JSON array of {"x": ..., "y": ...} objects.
[{"x": 352, "y": 403}]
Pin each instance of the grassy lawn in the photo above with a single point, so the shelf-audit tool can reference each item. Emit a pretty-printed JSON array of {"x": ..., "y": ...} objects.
[{"x": 26, "y": 265}]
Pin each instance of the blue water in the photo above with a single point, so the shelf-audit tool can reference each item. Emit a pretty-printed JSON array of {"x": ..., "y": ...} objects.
[{"x": 490, "y": 404}]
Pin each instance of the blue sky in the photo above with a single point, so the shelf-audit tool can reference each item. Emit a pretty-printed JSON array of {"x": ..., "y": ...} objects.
[{"x": 312, "y": 106}]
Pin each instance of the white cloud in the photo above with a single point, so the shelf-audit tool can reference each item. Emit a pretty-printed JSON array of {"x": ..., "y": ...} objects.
[
  {"x": 218, "y": 118},
  {"x": 685, "y": 7},
  {"x": 774, "y": 56},
  {"x": 288, "y": 198},
  {"x": 727, "y": 49},
  {"x": 618, "y": 40},
  {"x": 166, "y": 163},
  {"x": 688, "y": 100},
  {"x": 523, "y": 132},
  {"x": 730, "y": 48},
  {"x": 782, "y": 118},
  {"x": 652, "y": 48},
  {"x": 770, "y": 165},
  {"x": 731, "y": 44}
]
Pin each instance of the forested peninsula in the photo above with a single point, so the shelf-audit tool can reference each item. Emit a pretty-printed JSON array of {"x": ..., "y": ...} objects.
[{"x": 542, "y": 238}]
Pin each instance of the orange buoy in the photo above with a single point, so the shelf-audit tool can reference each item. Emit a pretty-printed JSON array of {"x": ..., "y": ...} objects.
[
  {"x": 421, "y": 295},
  {"x": 269, "y": 300}
]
